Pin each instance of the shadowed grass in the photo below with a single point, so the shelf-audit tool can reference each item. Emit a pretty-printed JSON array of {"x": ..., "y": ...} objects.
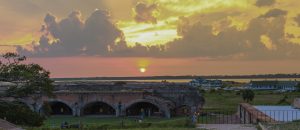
[{"x": 103, "y": 123}]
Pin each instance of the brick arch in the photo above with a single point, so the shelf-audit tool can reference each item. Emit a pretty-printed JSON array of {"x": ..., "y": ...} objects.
[
  {"x": 59, "y": 101},
  {"x": 162, "y": 108},
  {"x": 141, "y": 100},
  {"x": 97, "y": 101},
  {"x": 62, "y": 101},
  {"x": 103, "y": 101}
]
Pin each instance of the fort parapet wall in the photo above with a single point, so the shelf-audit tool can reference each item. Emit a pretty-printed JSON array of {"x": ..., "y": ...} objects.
[{"x": 80, "y": 99}]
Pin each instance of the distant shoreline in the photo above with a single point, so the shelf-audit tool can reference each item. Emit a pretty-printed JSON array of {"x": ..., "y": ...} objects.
[{"x": 266, "y": 76}]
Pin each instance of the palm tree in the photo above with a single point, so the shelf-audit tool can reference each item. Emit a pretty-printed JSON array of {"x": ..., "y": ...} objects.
[{"x": 248, "y": 95}]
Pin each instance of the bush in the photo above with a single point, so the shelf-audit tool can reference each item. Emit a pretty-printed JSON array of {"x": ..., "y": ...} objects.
[
  {"x": 283, "y": 101},
  {"x": 19, "y": 114},
  {"x": 46, "y": 109},
  {"x": 248, "y": 95},
  {"x": 212, "y": 91},
  {"x": 200, "y": 90}
]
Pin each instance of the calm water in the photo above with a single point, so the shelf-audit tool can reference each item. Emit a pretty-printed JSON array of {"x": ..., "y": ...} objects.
[
  {"x": 188, "y": 80},
  {"x": 281, "y": 113}
]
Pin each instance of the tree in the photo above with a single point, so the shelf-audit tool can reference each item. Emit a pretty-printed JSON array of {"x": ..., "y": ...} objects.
[
  {"x": 30, "y": 80},
  {"x": 298, "y": 87},
  {"x": 47, "y": 110},
  {"x": 248, "y": 95}
]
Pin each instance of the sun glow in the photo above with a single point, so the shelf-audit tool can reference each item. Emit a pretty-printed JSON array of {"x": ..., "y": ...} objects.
[
  {"x": 149, "y": 34},
  {"x": 143, "y": 64},
  {"x": 142, "y": 70}
]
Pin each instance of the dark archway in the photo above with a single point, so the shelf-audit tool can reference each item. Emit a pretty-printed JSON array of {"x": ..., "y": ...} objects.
[
  {"x": 59, "y": 108},
  {"x": 143, "y": 109},
  {"x": 98, "y": 108}
]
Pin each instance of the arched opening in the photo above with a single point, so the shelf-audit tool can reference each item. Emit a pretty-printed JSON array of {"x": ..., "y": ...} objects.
[
  {"x": 58, "y": 108},
  {"x": 98, "y": 108},
  {"x": 144, "y": 109}
]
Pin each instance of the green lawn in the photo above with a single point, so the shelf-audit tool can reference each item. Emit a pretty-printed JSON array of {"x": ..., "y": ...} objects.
[
  {"x": 116, "y": 123},
  {"x": 229, "y": 100}
]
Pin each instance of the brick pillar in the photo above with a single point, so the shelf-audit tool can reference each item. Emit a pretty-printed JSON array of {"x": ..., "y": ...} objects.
[
  {"x": 167, "y": 114},
  {"x": 76, "y": 110},
  {"x": 120, "y": 110}
]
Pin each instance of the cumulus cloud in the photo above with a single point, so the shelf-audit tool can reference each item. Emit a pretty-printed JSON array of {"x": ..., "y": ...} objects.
[
  {"x": 146, "y": 13},
  {"x": 263, "y": 39},
  {"x": 75, "y": 36},
  {"x": 261, "y": 3}
]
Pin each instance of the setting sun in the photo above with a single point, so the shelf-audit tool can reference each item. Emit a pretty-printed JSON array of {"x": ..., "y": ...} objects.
[{"x": 142, "y": 70}]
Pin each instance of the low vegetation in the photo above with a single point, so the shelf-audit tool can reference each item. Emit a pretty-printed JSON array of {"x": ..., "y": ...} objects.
[
  {"x": 19, "y": 114},
  {"x": 229, "y": 100}
]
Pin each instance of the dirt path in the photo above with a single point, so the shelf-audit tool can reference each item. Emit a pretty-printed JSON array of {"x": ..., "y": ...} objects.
[{"x": 4, "y": 125}]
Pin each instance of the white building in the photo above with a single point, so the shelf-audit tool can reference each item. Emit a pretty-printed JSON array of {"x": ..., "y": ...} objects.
[
  {"x": 200, "y": 82},
  {"x": 273, "y": 85}
]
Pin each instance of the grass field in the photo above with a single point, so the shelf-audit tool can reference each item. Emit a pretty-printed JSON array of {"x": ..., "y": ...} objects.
[
  {"x": 229, "y": 100},
  {"x": 92, "y": 122}
]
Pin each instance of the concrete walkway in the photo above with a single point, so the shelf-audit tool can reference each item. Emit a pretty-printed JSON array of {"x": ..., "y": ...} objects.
[
  {"x": 4, "y": 125},
  {"x": 227, "y": 127}
]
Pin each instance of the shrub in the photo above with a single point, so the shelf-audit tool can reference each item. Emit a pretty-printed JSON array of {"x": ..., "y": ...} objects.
[
  {"x": 46, "y": 109},
  {"x": 19, "y": 114},
  {"x": 248, "y": 95}
]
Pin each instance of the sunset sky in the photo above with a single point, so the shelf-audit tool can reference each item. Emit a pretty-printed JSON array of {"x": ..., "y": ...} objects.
[{"x": 88, "y": 38}]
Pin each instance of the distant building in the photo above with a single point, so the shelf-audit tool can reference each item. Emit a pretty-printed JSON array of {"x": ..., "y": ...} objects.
[
  {"x": 273, "y": 85},
  {"x": 201, "y": 82}
]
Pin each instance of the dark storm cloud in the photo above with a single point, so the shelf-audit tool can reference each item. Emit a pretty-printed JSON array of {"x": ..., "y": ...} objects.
[
  {"x": 261, "y": 3},
  {"x": 297, "y": 20},
  {"x": 145, "y": 13},
  {"x": 198, "y": 40},
  {"x": 274, "y": 13},
  {"x": 74, "y": 36}
]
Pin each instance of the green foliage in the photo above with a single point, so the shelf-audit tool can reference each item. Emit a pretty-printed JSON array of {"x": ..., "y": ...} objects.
[
  {"x": 298, "y": 87},
  {"x": 248, "y": 95},
  {"x": 19, "y": 114},
  {"x": 200, "y": 90},
  {"x": 238, "y": 93},
  {"x": 283, "y": 101},
  {"x": 212, "y": 91},
  {"x": 28, "y": 79},
  {"x": 46, "y": 109}
]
